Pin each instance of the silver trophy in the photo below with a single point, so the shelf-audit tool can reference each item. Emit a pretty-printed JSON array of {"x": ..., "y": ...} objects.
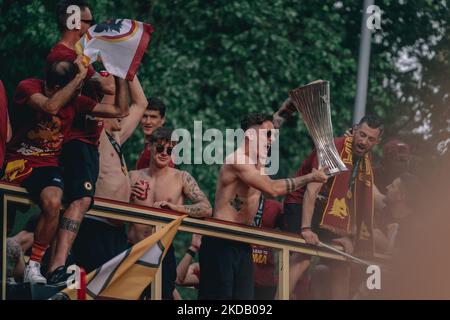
[{"x": 313, "y": 103}]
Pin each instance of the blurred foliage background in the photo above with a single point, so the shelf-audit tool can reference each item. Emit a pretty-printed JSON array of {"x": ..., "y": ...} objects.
[{"x": 215, "y": 61}]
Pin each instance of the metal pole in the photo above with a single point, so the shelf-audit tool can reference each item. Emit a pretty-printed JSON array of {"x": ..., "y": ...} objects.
[{"x": 363, "y": 66}]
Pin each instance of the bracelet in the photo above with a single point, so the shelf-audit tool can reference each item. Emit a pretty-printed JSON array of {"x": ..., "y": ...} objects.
[
  {"x": 191, "y": 253},
  {"x": 305, "y": 228}
]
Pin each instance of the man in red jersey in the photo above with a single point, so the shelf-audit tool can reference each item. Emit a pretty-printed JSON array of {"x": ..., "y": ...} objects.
[
  {"x": 64, "y": 50},
  {"x": 42, "y": 116},
  {"x": 6, "y": 132},
  {"x": 101, "y": 239},
  {"x": 154, "y": 117}
]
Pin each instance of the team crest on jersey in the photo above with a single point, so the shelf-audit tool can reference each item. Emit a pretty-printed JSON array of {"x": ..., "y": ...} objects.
[{"x": 88, "y": 186}]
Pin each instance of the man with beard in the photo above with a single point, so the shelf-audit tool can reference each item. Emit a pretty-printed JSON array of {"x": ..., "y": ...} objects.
[{"x": 341, "y": 210}]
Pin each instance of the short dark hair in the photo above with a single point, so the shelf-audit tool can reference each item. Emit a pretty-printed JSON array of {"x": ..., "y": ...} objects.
[
  {"x": 161, "y": 135},
  {"x": 253, "y": 119},
  {"x": 61, "y": 11},
  {"x": 60, "y": 73},
  {"x": 156, "y": 104},
  {"x": 373, "y": 122}
]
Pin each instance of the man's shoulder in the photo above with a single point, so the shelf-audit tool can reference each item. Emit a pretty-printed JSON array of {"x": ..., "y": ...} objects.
[
  {"x": 30, "y": 82},
  {"x": 60, "y": 52},
  {"x": 138, "y": 172},
  {"x": 26, "y": 88}
]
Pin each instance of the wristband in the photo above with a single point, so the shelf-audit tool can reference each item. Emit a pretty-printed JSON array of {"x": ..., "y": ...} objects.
[
  {"x": 305, "y": 228},
  {"x": 191, "y": 253}
]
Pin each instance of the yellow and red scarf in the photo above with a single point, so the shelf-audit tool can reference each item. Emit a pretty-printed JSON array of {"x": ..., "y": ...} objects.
[{"x": 350, "y": 206}]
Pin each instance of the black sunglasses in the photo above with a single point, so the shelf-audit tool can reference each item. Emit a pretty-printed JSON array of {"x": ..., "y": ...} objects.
[
  {"x": 89, "y": 22},
  {"x": 160, "y": 148}
]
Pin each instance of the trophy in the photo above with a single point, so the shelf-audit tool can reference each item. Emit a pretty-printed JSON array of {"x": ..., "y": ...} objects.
[{"x": 313, "y": 103}]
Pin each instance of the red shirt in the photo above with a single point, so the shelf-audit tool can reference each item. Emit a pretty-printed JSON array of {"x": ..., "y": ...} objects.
[
  {"x": 38, "y": 135},
  {"x": 85, "y": 127},
  {"x": 3, "y": 122},
  {"x": 144, "y": 159},
  {"x": 263, "y": 257},
  {"x": 60, "y": 52}
]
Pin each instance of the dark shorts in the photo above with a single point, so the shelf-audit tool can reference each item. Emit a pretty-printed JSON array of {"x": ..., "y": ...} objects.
[
  {"x": 227, "y": 270},
  {"x": 169, "y": 276},
  {"x": 41, "y": 178},
  {"x": 98, "y": 242},
  {"x": 81, "y": 166},
  {"x": 292, "y": 215}
]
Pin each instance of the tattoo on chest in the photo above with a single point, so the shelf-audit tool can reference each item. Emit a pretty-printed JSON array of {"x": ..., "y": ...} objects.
[{"x": 236, "y": 203}]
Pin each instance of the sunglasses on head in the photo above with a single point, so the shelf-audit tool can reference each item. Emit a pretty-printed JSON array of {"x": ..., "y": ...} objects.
[{"x": 160, "y": 148}]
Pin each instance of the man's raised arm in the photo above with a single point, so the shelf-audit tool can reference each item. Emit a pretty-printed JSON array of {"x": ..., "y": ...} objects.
[
  {"x": 53, "y": 104},
  {"x": 286, "y": 110},
  {"x": 138, "y": 105},
  {"x": 120, "y": 108}
]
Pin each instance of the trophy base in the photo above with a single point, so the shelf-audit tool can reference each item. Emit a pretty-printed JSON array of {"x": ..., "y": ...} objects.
[{"x": 334, "y": 171}]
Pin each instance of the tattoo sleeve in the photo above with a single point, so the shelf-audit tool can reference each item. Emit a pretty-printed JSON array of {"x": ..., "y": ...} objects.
[
  {"x": 69, "y": 225},
  {"x": 200, "y": 206}
]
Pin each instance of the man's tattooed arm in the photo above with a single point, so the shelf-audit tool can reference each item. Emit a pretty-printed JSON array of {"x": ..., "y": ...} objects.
[
  {"x": 200, "y": 207},
  {"x": 293, "y": 184}
]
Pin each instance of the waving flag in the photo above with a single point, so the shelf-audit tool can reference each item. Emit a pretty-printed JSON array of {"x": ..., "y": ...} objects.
[
  {"x": 128, "y": 274},
  {"x": 120, "y": 44}
]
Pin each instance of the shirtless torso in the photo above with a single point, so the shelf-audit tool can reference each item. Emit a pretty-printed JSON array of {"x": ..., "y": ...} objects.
[
  {"x": 235, "y": 201},
  {"x": 112, "y": 182},
  {"x": 168, "y": 188}
]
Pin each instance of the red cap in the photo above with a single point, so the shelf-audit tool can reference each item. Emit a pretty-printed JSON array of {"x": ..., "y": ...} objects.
[{"x": 396, "y": 150}]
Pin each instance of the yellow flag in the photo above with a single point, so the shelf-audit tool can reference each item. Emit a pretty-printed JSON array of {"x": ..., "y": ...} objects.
[{"x": 128, "y": 274}]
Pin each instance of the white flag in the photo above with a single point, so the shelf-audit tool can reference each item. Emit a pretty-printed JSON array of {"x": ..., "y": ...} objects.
[{"x": 120, "y": 44}]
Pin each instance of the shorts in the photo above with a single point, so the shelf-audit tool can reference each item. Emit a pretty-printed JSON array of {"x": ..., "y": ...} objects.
[
  {"x": 41, "y": 178},
  {"x": 169, "y": 276},
  {"x": 227, "y": 270},
  {"x": 81, "y": 166},
  {"x": 98, "y": 242}
]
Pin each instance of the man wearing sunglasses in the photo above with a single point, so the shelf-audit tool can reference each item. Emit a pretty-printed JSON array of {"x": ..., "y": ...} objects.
[
  {"x": 238, "y": 192},
  {"x": 161, "y": 186},
  {"x": 64, "y": 50}
]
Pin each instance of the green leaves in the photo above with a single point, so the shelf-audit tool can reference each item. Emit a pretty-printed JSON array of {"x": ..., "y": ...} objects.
[{"x": 218, "y": 60}]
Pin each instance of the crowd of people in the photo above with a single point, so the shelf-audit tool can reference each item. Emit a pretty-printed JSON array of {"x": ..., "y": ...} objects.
[{"x": 64, "y": 145}]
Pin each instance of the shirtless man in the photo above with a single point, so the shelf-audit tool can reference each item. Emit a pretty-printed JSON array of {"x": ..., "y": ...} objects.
[
  {"x": 227, "y": 266},
  {"x": 167, "y": 188},
  {"x": 100, "y": 239}
]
